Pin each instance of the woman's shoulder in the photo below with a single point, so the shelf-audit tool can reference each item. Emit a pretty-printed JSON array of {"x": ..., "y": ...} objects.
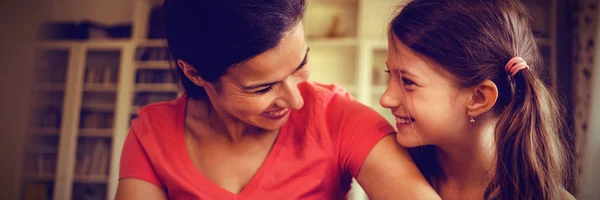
[
  {"x": 163, "y": 106},
  {"x": 337, "y": 107},
  {"x": 317, "y": 89},
  {"x": 327, "y": 101},
  {"x": 323, "y": 95},
  {"x": 163, "y": 109},
  {"x": 160, "y": 116}
]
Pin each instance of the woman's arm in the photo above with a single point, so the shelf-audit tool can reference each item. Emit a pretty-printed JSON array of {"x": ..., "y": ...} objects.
[
  {"x": 389, "y": 173},
  {"x": 137, "y": 178},
  {"x": 368, "y": 151},
  {"x": 130, "y": 188}
]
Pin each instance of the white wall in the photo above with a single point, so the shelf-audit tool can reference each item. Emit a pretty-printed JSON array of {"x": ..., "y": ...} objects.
[
  {"x": 19, "y": 20},
  {"x": 109, "y": 12},
  {"x": 591, "y": 161}
]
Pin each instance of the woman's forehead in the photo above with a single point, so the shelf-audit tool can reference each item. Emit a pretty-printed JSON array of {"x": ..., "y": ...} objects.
[{"x": 275, "y": 63}]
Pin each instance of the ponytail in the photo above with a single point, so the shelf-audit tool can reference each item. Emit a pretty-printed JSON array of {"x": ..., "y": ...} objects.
[{"x": 530, "y": 146}]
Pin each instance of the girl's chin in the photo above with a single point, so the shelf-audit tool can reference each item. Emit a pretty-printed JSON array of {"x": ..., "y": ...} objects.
[{"x": 407, "y": 140}]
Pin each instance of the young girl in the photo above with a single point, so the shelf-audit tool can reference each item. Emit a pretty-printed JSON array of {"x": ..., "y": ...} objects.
[{"x": 465, "y": 88}]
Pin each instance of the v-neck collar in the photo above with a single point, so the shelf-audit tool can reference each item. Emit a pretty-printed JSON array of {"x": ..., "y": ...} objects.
[{"x": 201, "y": 182}]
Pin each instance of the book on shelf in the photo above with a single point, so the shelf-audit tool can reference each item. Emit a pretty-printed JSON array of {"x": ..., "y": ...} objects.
[
  {"x": 152, "y": 53},
  {"x": 36, "y": 191},
  {"x": 154, "y": 76},
  {"x": 46, "y": 165},
  {"x": 106, "y": 75},
  {"x": 92, "y": 158},
  {"x": 92, "y": 119},
  {"x": 39, "y": 166},
  {"x": 48, "y": 117}
]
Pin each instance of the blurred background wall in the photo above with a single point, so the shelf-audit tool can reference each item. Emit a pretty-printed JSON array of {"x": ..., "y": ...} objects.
[{"x": 20, "y": 21}]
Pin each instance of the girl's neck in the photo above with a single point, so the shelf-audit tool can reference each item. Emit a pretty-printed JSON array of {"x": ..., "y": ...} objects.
[{"x": 468, "y": 165}]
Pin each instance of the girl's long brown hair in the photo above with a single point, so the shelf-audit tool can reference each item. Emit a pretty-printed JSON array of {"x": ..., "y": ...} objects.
[{"x": 473, "y": 40}]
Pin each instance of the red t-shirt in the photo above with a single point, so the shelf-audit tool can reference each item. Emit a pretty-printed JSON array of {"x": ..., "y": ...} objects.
[{"x": 315, "y": 155}]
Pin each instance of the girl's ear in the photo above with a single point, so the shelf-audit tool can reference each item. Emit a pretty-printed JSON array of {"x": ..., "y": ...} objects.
[{"x": 483, "y": 98}]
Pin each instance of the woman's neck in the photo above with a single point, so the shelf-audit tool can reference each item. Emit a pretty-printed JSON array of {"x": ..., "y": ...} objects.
[
  {"x": 468, "y": 165},
  {"x": 203, "y": 111}
]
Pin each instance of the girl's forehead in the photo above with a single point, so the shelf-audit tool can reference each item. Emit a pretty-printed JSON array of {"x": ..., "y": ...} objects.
[
  {"x": 401, "y": 57},
  {"x": 404, "y": 58}
]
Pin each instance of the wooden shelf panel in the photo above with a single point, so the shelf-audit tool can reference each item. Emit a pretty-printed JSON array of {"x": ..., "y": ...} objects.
[
  {"x": 100, "y": 87},
  {"x": 154, "y": 64},
  {"x": 96, "y": 132},
  {"x": 103, "y": 107},
  {"x": 156, "y": 87},
  {"x": 153, "y": 43},
  {"x": 91, "y": 179}
]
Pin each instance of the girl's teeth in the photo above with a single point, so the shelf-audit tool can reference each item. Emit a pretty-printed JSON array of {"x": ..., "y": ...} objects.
[{"x": 404, "y": 121}]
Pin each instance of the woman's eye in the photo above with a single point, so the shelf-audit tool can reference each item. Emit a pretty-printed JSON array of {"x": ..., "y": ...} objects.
[
  {"x": 406, "y": 81},
  {"x": 263, "y": 91}
]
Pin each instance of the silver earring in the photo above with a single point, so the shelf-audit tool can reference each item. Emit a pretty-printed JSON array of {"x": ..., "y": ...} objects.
[{"x": 472, "y": 120}]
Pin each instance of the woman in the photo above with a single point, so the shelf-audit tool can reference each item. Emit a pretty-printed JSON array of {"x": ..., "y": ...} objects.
[
  {"x": 465, "y": 87},
  {"x": 250, "y": 125}
]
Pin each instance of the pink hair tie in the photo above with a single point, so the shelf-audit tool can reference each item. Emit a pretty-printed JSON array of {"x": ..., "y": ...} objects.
[{"x": 515, "y": 64}]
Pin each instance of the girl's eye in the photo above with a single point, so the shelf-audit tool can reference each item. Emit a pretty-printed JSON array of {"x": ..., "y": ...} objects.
[{"x": 263, "y": 91}]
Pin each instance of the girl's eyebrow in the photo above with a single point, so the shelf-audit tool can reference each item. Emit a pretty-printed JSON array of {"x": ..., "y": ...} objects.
[{"x": 403, "y": 71}]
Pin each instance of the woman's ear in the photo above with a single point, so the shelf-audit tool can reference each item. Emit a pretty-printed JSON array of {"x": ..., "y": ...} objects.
[
  {"x": 483, "y": 98},
  {"x": 191, "y": 73}
]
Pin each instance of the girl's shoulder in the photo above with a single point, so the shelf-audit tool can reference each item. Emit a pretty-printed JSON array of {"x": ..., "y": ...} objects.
[{"x": 566, "y": 195}]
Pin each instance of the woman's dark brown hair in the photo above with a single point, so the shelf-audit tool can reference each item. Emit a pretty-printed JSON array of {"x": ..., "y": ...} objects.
[
  {"x": 214, "y": 35},
  {"x": 474, "y": 40}
]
